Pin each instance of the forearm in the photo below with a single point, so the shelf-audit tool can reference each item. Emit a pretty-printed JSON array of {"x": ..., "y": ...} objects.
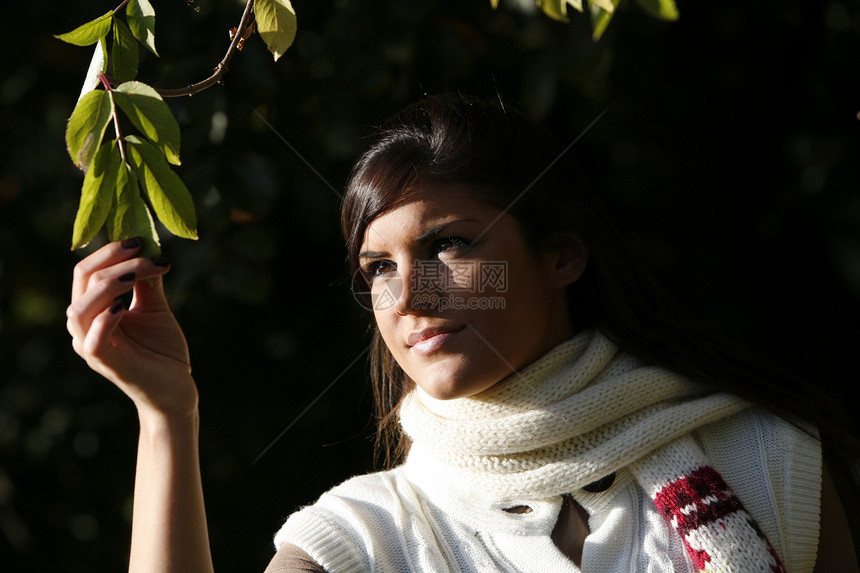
[
  {"x": 169, "y": 531},
  {"x": 142, "y": 350}
]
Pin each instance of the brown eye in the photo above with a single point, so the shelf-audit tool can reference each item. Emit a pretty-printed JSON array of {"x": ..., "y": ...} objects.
[
  {"x": 378, "y": 268},
  {"x": 451, "y": 243}
]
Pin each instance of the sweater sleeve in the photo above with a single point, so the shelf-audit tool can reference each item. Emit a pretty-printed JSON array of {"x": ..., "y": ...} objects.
[
  {"x": 786, "y": 502},
  {"x": 328, "y": 540},
  {"x": 799, "y": 475},
  {"x": 360, "y": 526}
]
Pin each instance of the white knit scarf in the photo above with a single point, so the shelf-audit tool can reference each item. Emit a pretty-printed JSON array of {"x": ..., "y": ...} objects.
[{"x": 577, "y": 414}]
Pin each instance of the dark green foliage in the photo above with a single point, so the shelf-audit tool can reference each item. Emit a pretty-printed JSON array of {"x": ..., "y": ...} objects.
[{"x": 728, "y": 153}]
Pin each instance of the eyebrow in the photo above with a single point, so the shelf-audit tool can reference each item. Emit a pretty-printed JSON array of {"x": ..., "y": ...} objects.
[{"x": 424, "y": 237}]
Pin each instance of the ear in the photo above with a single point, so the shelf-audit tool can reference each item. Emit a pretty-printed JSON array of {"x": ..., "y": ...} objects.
[{"x": 568, "y": 257}]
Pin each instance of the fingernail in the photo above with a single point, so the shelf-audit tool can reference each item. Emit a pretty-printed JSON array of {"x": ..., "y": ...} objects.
[
  {"x": 127, "y": 277},
  {"x": 160, "y": 262},
  {"x": 117, "y": 305},
  {"x": 131, "y": 243}
]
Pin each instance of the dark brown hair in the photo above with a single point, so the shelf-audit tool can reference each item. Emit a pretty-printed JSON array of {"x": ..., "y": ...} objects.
[{"x": 515, "y": 165}]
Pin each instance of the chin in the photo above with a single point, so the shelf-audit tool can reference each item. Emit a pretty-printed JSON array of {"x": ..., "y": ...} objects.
[
  {"x": 443, "y": 393},
  {"x": 450, "y": 386}
]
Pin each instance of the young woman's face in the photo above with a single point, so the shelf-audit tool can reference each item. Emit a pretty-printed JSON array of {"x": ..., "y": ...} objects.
[{"x": 460, "y": 299}]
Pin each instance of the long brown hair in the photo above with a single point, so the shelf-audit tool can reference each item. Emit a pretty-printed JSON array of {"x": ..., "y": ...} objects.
[{"x": 515, "y": 165}]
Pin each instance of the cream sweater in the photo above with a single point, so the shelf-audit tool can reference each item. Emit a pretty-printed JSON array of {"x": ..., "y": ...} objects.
[
  {"x": 385, "y": 522},
  {"x": 443, "y": 509}
]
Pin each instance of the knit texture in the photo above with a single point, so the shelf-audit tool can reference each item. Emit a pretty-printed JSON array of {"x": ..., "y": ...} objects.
[{"x": 582, "y": 411}]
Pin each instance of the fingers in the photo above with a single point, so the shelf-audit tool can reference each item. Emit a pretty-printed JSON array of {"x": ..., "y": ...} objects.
[
  {"x": 108, "y": 255},
  {"x": 149, "y": 294},
  {"x": 94, "y": 344},
  {"x": 103, "y": 276}
]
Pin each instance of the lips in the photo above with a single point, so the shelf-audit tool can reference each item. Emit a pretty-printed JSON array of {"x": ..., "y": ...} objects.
[
  {"x": 429, "y": 340},
  {"x": 419, "y": 336}
]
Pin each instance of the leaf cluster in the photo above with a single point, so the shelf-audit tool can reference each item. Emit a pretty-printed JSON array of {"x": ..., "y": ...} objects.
[
  {"x": 118, "y": 169},
  {"x": 130, "y": 178}
]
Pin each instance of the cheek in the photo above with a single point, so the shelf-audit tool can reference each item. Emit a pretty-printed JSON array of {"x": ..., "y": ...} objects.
[
  {"x": 388, "y": 330},
  {"x": 529, "y": 282},
  {"x": 385, "y": 292},
  {"x": 462, "y": 276},
  {"x": 519, "y": 312}
]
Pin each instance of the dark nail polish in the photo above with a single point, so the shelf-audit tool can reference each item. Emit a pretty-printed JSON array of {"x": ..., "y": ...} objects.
[
  {"x": 127, "y": 277},
  {"x": 160, "y": 262},
  {"x": 117, "y": 305},
  {"x": 131, "y": 243}
]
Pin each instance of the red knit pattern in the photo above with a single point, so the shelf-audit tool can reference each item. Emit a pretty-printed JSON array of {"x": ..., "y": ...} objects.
[{"x": 700, "y": 499}]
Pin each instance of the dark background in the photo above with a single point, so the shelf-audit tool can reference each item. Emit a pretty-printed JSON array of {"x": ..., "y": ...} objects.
[{"x": 728, "y": 152}]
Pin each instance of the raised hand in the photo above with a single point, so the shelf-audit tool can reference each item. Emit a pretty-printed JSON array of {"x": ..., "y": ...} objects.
[{"x": 142, "y": 350}]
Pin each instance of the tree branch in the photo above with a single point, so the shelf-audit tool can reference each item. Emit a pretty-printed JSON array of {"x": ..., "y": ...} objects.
[{"x": 222, "y": 68}]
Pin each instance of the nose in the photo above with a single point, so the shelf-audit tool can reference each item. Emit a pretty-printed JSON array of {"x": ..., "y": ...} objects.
[{"x": 423, "y": 285}]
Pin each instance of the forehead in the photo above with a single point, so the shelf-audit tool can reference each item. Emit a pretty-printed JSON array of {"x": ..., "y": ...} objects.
[{"x": 426, "y": 206}]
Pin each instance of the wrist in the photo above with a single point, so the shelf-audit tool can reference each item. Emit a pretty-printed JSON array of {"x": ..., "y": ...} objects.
[
  {"x": 167, "y": 400},
  {"x": 157, "y": 423}
]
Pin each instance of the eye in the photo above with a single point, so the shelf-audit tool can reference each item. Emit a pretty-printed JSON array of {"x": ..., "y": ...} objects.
[
  {"x": 450, "y": 244},
  {"x": 376, "y": 269}
]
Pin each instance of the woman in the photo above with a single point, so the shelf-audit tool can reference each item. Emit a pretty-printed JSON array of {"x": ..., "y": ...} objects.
[{"x": 553, "y": 409}]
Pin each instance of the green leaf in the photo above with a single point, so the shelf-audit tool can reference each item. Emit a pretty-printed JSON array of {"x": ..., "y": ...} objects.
[
  {"x": 148, "y": 112},
  {"x": 89, "y": 33},
  {"x": 97, "y": 194},
  {"x": 555, "y": 9},
  {"x": 166, "y": 192},
  {"x": 141, "y": 19},
  {"x": 600, "y": 19},
  {"x": 130, "y": 216},
  {"x": 98, "y": 66},
  {"x": 86, "y": 127},
  {"x": 276, "y": 23},
  {"x": 662, "y": 9},
  {"x": 124, "y": 54},
  {"x": 606, "y": 5}
]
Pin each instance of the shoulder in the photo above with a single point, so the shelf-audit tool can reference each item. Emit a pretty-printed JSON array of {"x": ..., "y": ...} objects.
[
  {"x": 384, "y": 483},
  {"x": 370, "y": 496},
  {"x": 373, "y": 496},
  {"x": 351, "y": 521},
  {"x": 756, "y": 442},
  {"x": 774, "y": 466}
]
